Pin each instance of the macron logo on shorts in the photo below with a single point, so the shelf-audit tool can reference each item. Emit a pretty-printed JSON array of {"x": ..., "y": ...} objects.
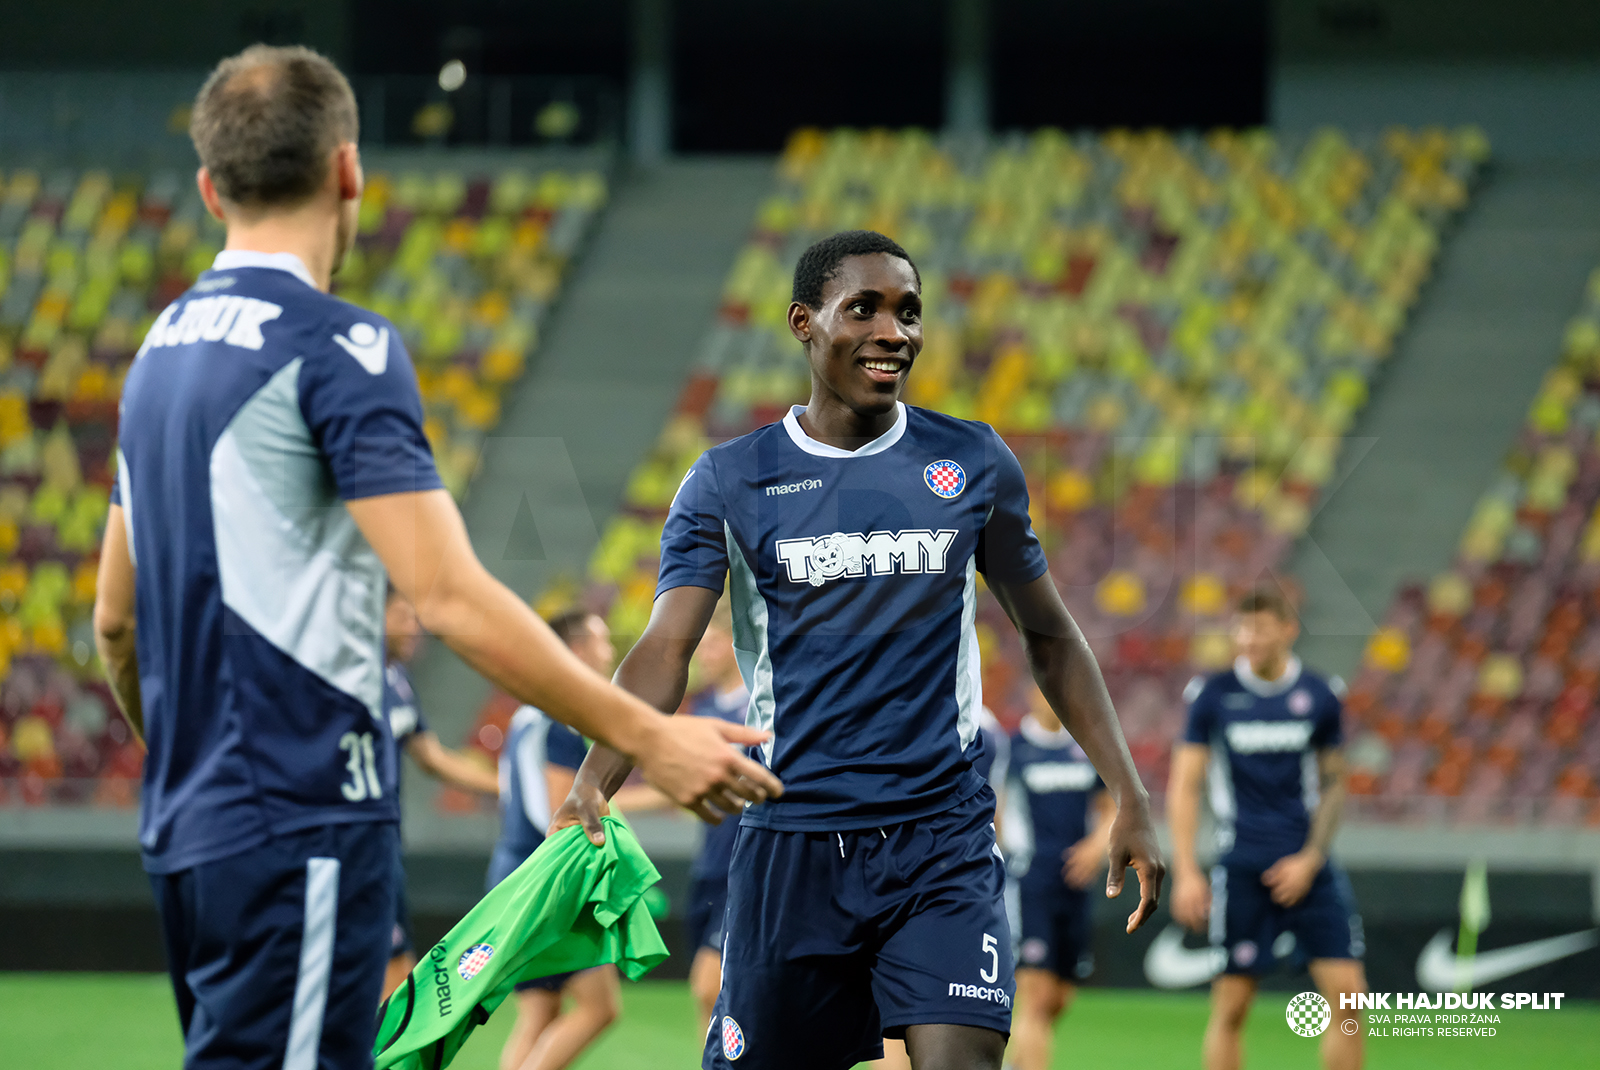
[{"x": 990, "y": 995}]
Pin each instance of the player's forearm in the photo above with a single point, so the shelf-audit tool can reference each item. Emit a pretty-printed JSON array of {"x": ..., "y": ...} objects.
[
  {"x": 1183, "y": 820},
  {"x": 1325, "y": 819},
  {"x": 498, "y": 635},
  {"x": 458, "y": 770},
  {"x": 656, "y": 670},
  {"x": 1069, "y": 676},
  {"x": 121, "y": 660}
]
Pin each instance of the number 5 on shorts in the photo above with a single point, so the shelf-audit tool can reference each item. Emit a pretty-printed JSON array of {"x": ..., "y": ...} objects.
[{"x": 991, "y": 947}]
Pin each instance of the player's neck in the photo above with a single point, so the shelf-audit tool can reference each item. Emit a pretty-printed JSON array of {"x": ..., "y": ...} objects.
[
  {"x": 830, "y": 421},
  {"x": 1271, "y": 670},
  {"x": 307, "y": 232}
]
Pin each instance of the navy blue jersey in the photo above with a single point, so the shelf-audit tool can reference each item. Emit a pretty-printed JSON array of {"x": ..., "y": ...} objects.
[
  {"x": 1264, "y": 737},
  {"x": 717, "y": 847},
  {"x": 996, "y": 757},
  {"x": 400, "y": 704},
  {"x": 402, "y": 712},
  {"x": 854, "y": 589},
  {"x": 256, "y": 407},
  {"x": 1049, "y": 800},
  {"x": 534, "y": 742}
]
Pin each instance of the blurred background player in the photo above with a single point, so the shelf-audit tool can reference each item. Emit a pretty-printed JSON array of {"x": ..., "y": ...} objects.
[
  {"x": 401, "y": 636},
  {"x": 1269, "y": 729},
  {"x": 723, "y": 695},
  {"x": 537, "y": 765},
  {"x": 1055, "y": 827}
]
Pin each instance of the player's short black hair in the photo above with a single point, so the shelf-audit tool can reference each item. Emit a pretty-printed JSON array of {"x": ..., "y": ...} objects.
[
  {"x": 1266, "y": 600},
  {"x": 265, "y": 122},
  {"x": 821, "y": 261},
  {"x": 569, "y": 623}
]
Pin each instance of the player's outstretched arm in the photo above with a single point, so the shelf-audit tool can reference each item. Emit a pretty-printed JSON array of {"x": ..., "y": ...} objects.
[
  {"x": 657, "y": 670},
  {"x": 1191, "y": 898},
  {"x": 451, "y": 766},
  {"x": 114, "y": 620},
  {"x": 1065, "y": 669},
  {"x": 422, "y": 541}
]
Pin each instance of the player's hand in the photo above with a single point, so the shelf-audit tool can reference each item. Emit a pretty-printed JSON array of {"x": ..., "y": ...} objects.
[
  {"x": 1133, "y": 843},
  {"x": 689, "y": 761},
  {"x": 1290, "y": 877},
  {"x": 1191, "y": 900},
  {"x": 1082, "y": 861},
  {"x": 585, "y": 806}
]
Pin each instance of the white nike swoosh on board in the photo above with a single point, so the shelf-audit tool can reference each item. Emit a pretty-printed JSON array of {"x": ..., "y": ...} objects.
[
  {"x": 1439, "y": 970},
  {"x": 1168, "y": 964},
  {"x": 374, "y": 357}
]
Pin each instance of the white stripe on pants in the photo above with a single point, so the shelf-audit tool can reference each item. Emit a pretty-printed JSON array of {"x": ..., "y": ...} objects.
[{"x": 316, "y": 964}]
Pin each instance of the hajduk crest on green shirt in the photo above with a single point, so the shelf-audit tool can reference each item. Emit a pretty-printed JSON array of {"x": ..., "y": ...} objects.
[{"x": 569, "y": 907}]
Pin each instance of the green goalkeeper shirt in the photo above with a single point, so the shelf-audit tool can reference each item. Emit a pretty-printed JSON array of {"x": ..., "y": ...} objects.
[{"x": 570, "y": 906}]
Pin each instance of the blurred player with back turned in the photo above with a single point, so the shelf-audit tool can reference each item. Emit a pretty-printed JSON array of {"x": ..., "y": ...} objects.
[
  {"x": 1055, "y": 821},
  {"x": 1266, "y": 734},
  {"x": 868, "y": 902},
  {"x": 401, "y": 637},
  {"x": 271, "y": 471}
]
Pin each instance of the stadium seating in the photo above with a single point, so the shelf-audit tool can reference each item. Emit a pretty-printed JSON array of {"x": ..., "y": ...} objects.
[
  {"x": 1478, "y": 691},
  {"x": 1172, "y": 332},
  {"x": 465, "y": 265}
]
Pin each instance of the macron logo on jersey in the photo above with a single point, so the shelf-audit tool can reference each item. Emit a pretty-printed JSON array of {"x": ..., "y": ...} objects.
[
  {"x": 368, "y": 344},
  {"x": 828, "y": 557},
  {"x": 233, "y": 320},
  {"x": 1259, "y": 737}
]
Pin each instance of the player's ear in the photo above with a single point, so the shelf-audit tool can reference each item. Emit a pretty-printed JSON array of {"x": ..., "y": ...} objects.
[
  {"x": 800, "y": 322},
  {"x": 347, "y": 168},
  {"x": 208, "y": 194}
]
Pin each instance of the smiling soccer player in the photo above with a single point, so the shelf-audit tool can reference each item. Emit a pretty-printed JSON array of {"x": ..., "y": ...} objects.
[{"x": 868, "y": 902}]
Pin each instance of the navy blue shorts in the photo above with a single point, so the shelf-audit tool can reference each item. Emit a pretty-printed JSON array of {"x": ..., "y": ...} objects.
[
  {"x": 836, "y": 940},
  {"x": 1257, "y": 932},
  {"x": 708, "y": 903},
  {"x": 277, "y": 954},
  {"x": 1054, "y": 925},
  {"x": 400, "y": 936}
]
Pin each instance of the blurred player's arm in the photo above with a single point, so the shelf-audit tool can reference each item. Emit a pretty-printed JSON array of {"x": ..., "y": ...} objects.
[
  {"x": 1066, "y": 671},
  {"x": 451, "y": 766},
  {"x": 114, "y": 621},
  {"x": 421, "y": 540},
  {"x": 657, "y": 670},
  {"x": 1085, "y": 858},
  {"x": 1191, "y": 896},
  {"x": 1289, "y": 878}
]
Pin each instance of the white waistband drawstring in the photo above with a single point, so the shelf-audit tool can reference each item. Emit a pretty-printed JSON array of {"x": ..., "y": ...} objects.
[{"x": 841, "y": 843}]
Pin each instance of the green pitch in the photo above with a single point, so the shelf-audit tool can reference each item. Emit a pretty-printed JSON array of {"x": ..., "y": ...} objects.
[{"x": 70, "y": 1021}]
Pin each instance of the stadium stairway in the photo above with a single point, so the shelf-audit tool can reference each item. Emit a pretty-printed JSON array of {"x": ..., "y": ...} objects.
[
  {"x": 1452, "y": 398},
  {"x": 615, "y": 354}
]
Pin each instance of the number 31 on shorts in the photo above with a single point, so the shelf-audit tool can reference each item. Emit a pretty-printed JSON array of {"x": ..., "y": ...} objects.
[{"x": 991, "y": 947}]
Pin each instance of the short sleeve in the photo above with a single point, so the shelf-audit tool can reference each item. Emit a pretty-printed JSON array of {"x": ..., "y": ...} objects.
[
  {"x": 564, "y": 747},
  {"x": 1329, "y": 729},
  {"x": 1198, "y": 726},
  {"x": 359, "y": 397},
  {"x": 1008, "y": 550},
  {"x": 694, "y": 542}
]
